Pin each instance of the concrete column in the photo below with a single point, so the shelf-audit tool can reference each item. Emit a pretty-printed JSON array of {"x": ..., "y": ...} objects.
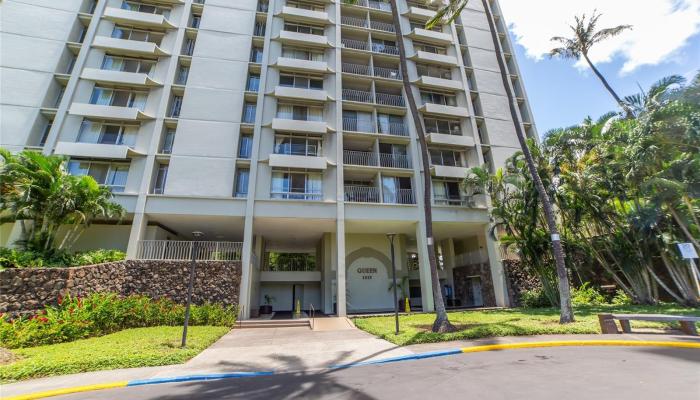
[
  {"x": 448, "y": 254},
  {"x": 138, "y": 231},
  {"x": 426, "y": 286},
  {"x": 500, "y": 288},
  {"x": 340, "y": 269},
  {"x": 246, "y": 266}
]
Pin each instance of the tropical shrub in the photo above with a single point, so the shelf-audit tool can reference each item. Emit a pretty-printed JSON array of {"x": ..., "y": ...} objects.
[
  {"x": 13, "y": 258},
  {"x": 621, "y": 298},
  {"x": 587, "y": 295},
  {"x": 102, "y": 313},
  {"x": 535, "y": 298}
]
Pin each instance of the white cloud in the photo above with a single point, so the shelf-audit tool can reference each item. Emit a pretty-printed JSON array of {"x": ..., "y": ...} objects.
[{"x": 660, "y": 27}]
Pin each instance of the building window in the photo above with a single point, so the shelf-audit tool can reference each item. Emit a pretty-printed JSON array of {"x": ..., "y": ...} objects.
[
  {"x": 298, "y": 145},
  {"x": 438, "y": 98},
  {"x": 124, "y": 64},
  {"x": 434, "y": 71},
  {"x": 447, "y": 193},
  {"x": 145, "y": 8},
  {"x": 263, "y": 6},
  {"x": 249, "y": 113},
  {"x": 122, "y": 32},
  {"x": 429, "y": 48},
  {"x": 245, "y": 146},
  {"x": 309, "y": 29},
  {"x": 195, "y": 21},
  {"x": 299, "y": 113},
  {"x": 182, "y": 73},
  {"x": 304, "y": 6},
  {"x": 61, "y": 92},
  {"x": 301, "y": 82},
  {"x": 168, "y": 141},
  {"x": 188, "y": 47},
  {"x": 296, "y": 185},
  {"x": 161, "y": 177},
  {"x": 45, "y": 133},
  {"x": 111, "y": 175},
  {"x": 391, "y": 125},
  {"x": 241, "y": 183},
  {"x": 443, "y": 126},
  {"x": 175, "y": 106},
  {"x": 253, "y": 84},
  {"x": 256, "y": 54},
  {"x": 259, "y": 29},
  {"x": 448, "y": 158},
  {"x": 108, "y": 133},
  {"x": 118, "y": 98},
  {"x": 397, "y": 190},
  {"x": 301, "y": 54}
]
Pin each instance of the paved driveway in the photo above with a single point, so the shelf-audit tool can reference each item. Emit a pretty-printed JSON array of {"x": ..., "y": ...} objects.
[{"x": 634, "y": 373}]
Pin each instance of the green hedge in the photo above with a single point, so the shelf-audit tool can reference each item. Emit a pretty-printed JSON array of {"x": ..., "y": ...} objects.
[
  {"x": 102, "y": 313},
  {"x": 13, "y": 258}
]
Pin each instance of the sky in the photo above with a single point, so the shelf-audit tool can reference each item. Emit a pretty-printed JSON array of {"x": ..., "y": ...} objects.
[{"x": 664, "y": 40}]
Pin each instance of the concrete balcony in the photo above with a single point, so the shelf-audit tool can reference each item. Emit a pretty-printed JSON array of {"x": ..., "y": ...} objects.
[
  {"x": 294, "y": 14},
  {"x": 438, "y": 83},
  {"x": 124, "y": 47},
  {"x": 450, "y": 140},
  {"x": 445, "y": 111},
  {"x": 445, "y": 171},
  {"x": 420, "y": 13},
  {"x": 108, "y": 112},
  {"x": 296, "y": 126},
  {"x": 137, "y": 19},
  {"x": 96, "y": 150},
  {"x": 285, "y": 92},
  {"x": 120, "y": 78},
  {"x": 294, "y": 161},
  {"x": 293, "y": 64},
  {"x": 432, "y": 58},
  {"x": 303, "y": 39},
  {"x": 428, "y": 36}
]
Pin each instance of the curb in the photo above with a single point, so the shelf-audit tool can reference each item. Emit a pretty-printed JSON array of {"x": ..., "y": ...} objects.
[{"x": 419, "y": 356}]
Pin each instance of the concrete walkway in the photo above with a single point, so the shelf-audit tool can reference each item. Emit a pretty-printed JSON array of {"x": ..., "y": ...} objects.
[{"x": 291, "y": 349}]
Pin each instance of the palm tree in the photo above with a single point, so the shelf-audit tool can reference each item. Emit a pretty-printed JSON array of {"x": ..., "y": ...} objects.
[
  {"x": 442, "y": 323},
  {"x": 585, "y": 36},
  {"x": 449, "y": 13}
]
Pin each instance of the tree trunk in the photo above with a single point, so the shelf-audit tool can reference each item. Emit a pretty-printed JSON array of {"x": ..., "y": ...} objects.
[
  {"x": 600, "y": 76},
  {"x": 566, "y": 310},
  {"x": 683, "y": 227},
  {"x": 442, "y": 323}
]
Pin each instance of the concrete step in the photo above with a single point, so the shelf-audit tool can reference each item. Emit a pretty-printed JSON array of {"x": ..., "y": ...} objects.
[{"x": 247, "y": 324}]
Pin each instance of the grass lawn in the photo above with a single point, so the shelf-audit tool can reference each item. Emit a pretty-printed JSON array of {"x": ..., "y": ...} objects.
[
  {"x": 138, "y": 347},
  {"x": 415, "y": 328}
]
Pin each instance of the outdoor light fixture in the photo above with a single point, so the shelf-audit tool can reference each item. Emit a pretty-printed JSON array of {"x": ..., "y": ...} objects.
[
  {"x": 190, "y": 287},
  {"x": 391, "y": 237}
]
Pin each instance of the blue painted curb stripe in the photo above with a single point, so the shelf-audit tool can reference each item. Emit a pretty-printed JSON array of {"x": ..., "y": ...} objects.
[
  {"x": 418, "y": 356},
  {"x": 203, "y": 377}
]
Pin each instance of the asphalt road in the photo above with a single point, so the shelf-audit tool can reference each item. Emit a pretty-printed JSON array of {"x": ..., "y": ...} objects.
[{"x": 547, "y": 373}]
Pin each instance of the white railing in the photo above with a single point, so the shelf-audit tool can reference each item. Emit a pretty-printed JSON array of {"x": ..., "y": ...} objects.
[
  {"x": 355, "y": 125},
  {"x": 401, "y": 196},
  {"x": 382, "y": 26},
  {"x": 379, "y": 5},
  {"x": 393, "y": 128},
  {"x": 445, "y": 200},
  {"x": 353, "y": 21},
  {"x": 357, "y": 69},
  {"x": 394, "y": 160},
  {"x": 182, "y": 250},
  {"x": 388, "y": 73},
  {"x": 387, "y": 99},
  {"x": 354, "y": 157},
  {"x": 471, "y": 258},
  {"x": 361, "y": 3},
  {"x": 355, "y": 44},
  {"x": 357, "y": 95},
  {"x": 362, "y": 194},
  {"x": 385, "y": 49}
]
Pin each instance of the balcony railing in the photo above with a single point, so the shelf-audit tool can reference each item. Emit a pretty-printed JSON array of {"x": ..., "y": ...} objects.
[
  {"x": 355, "y": 44},
  {"x": 259, "y": 29},
  {"x": 353, "y": 21},
  {"x": 362, "y": 194},
  {"x": 183, "y": 250},
  {"x": 446, "y": 200},
  {"x": 401, "y": 196},
  {"x": 366, "y": 158},
  {"x": 296, "y": 196},
  {"x": 385, "y": 49},
  {"x": 375, "y": 47},
  {"x": 357, "y": 69},
  {"x": 393, "y": 128},
  {"x": 355, "y": 125},
  {"x": 372, "y": 159},
  {"x": 380, "y": 72},
  {"x": 394, "y": 160},
  {"x": 379, "y": 5},
  {"x": 357, "y": 95},
  {"x": 381, "y": 26},
  {"x": 394, "y": 100},
  {"x": 388, "y": 73}
]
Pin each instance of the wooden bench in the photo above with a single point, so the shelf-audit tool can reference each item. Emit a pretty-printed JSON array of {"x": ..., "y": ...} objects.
[{"x": 608, "y": 326}]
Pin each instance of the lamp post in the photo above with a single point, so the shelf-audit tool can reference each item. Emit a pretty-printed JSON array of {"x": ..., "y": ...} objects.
[
  {"x": 190, "y": 287},
  {"x": 393, "y": 277}
]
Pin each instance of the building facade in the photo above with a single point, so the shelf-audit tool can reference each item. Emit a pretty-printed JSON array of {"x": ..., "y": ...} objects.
[{"x": 279, "y": 130}]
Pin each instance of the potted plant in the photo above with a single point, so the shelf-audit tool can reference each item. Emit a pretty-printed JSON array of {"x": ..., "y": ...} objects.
[
  {"x": 402, "y": 287},
  {"x": 267, "y": 307}
]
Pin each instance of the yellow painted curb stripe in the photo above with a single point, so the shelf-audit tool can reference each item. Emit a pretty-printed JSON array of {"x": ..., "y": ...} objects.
[
  {"x": 75, "y": 389},
  {"x": 563, "y": 343}
]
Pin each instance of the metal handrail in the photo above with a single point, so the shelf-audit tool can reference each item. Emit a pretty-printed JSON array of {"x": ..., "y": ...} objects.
[
  {"x": 357, "y": 95},
  {"x": 401, "y": 196},
  {"x": 390, "y": 99},
  {"x": 394, "y": 160},
  {"x": 362, "y": 194},
  {"x": 296, "y": 196},
  {"x": 393, "y": 128},
  {"x": 353, "y": 21},
  {"x": 354, "y": 157},
  {"x": 313, "y": 315},
  {"x": 357, "y": 69},
  {"x": 385, "y": 49},
  {"x": 446, "y": 200},
  {"x": 388, "y": 73},
  {"x": 355, "y": 44},
  {"x": 382, "y": 26},
  {"x": 379, "y": 5},
  {"x": 356, "y": 125}
]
